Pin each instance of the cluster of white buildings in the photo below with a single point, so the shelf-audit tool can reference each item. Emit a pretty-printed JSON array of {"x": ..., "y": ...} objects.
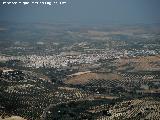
[
  {"x": 66, "y": 58},
  {"x": 62, "y": 60}
]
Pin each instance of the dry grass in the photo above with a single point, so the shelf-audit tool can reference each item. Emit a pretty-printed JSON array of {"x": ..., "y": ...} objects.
[
  {"x": 140, "y": 63},
  {"x": 13, "y": 118},
  {"x": 84, "y": 78}
]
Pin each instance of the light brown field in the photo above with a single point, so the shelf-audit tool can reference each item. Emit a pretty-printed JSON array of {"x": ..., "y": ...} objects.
[
  {"x": 84, "y": 78},
  {"x": 13, "y": 118},
  {"x": 140, "y": 63}
]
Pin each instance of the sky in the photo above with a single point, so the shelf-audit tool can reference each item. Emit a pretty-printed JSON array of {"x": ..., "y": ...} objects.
[{"x": 85, "y": 12}]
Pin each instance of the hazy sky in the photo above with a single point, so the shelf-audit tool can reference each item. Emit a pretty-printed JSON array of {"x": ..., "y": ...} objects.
[{"x": 86, "y": 11}]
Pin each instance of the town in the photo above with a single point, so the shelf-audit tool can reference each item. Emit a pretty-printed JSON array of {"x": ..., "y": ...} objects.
[{"x": 59, "y": 71}]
